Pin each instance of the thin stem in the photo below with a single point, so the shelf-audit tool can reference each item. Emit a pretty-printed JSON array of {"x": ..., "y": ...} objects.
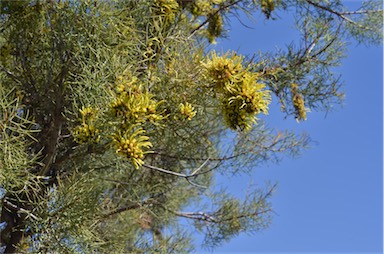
[
  {"x": 214, "y": 14},
  {"x": 10, "y": 74},
  {"x": 20, "y": 209},
  {"x": 360, "y": 12},
  {"x": 339, "y": 14}
]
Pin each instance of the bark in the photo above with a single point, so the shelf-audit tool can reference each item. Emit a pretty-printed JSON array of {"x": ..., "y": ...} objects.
[
  {"x": 12, "y": 214},
  {"x": 12, "y": 233}
]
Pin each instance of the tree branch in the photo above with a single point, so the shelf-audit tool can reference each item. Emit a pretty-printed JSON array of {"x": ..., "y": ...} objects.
[
  {"x": 214, "y": 14},
  {"x": 360, "y": 12},
  {"x": 340, "y": 14},
  {"x": 193, "y": 174},
  {"x": 185, "y": 176},
  {"x": 10, "y": 74},
  {"x": 125, "y": 208},
  {"x": 20, "y": 209}
]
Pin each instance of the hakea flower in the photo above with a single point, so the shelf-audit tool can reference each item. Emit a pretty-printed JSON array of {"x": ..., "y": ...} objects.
[
  {"x": 298, "y": 103},
  {"x": 224, "y": 70},
  {"x": 87, "y": 112},
  {"x": 133, "y": 146},
  {"x": 201, "y": 7},
  {"x": 124, "y": 85},
  {"x": 236, "y": 117},
  {"x": 133, "y": 103},
  {"x": 187, "y": 111},
  {"x": 215, "y": 25},
  {"x": 242, "y": 96},
  {"x": 167, "y": 9},
  {"x": 254, "y": 96},
  {"x": 267, "y": 7},
  {"x": 86, "y": 131},
  {"x": 241, "y": 109}
]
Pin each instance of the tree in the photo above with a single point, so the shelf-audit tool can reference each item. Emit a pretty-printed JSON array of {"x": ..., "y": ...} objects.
[{"x": 116, "y": 116}]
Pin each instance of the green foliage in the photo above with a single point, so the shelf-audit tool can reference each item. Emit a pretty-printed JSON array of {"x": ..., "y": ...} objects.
[
  {"x": 236, "y": 214},
  {"x": 367, "y": 28},
  {"x": 115, "y": 118},
  {"x": 65, "y": 222},
  {"x": 16, "y": 133}
]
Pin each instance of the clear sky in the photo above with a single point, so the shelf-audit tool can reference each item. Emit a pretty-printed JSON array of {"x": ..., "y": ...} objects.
[{"x": 330, "y": 200}]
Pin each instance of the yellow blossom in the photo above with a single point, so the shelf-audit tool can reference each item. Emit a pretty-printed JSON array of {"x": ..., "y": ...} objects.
[
  {"x": 167, "y": 9},
  {"x": 134, "y": 103},
  {"x": 132, "y": 146},
  {"x": 215, "y": 25},
  {"x": 86, "y": 131},
  {"x": 242, "y": 96},
  {"x": 87, "y": 112},
  {"x": 187, "y": 111},
  {"x": 224, "y": 70},
  {"x": 298, "y": 103},
  {"x": 201, "y": 7}
]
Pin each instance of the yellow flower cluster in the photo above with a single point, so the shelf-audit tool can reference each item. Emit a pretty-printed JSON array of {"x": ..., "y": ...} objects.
[
  {"x": 133, "y": 103},
  {"x": 167, "y": 9},
  {"x": 224, "y": 70},
  {"x": 187, "y": 111},
  {"x": 209, "y": 8},
  {"x": 86, "y": 131},
  {"x": 132, "y": 146},
  {"x": 242, "y": 96},
  {"x": 215, "y": 25},
  {"x": 201, "y": 7},
  {"x": 267, "y": 7},
  {"x": 298, "y": 103}
]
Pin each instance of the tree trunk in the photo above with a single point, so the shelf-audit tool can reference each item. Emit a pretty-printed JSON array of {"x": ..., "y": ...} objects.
[
  {"x": 12, "y": 233},
  {"x": 14, "y": 208}
]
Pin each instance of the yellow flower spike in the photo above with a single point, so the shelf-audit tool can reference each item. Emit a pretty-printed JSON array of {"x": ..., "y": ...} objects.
[
  {"x": 86, "y": 132},
  {"x": 201, "y": 7},
  {"x": 132, "y": 146},
  {"x": 187, "y": 111},
  {"x": 135, "y": 104},
  {"x": 267, "y": 7},
  {"x": 298, "y": 103},
  {"x": 120, "y": 88},
  {"x": 224, "y": 70},
  {"x": 152, "y": 108},
  {"x": 167, "y": 9},
  {"x": 294, "y": 87},
  {"x": 243, "y": 98},
  {"x": 215, "y": 25},
  {"x": 87, "y": 112}
]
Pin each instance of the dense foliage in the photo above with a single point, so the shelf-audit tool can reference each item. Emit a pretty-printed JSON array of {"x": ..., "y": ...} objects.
[{"x": 115, "y": 117}]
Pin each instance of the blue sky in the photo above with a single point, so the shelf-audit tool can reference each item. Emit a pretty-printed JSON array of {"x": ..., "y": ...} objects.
[{"x": 330, "y": 200}]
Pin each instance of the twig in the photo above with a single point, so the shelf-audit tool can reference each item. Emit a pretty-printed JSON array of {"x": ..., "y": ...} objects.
[
  {"x": 10, "y": 74},
  {"x": 19, "y": 209},
  {"x": 199, "y": 168},
  {"x": 360, "y": 12},
  {"x": 214, "y": 14},
  {"x": 122, "y": 209},
  {"x": 339, "y": 14},
  {"x": 165, "y": 171},
  {"x": 195, "y": 216},
  {"x": 185, "y": 176}
]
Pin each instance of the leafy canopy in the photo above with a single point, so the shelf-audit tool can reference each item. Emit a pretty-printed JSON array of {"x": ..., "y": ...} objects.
[{"x": 116, "y": 116}]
